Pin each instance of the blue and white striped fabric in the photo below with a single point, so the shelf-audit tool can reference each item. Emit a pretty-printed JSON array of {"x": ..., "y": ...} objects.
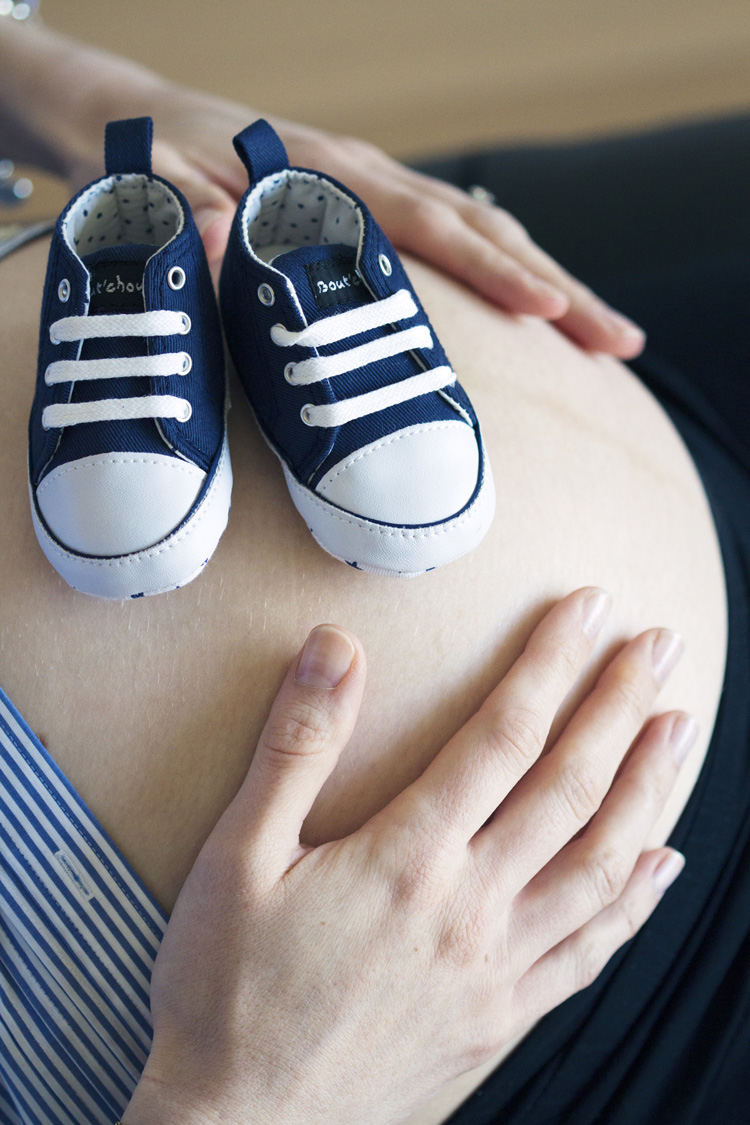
[{"x": 79, "y": 933}]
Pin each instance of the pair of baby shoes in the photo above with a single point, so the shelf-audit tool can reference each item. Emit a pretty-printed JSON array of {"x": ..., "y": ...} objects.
[{"x": 129, "y": 470}]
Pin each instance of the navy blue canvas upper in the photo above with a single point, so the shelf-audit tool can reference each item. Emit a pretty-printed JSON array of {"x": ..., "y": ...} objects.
[
  {"x": 198, "y": 439},
  {"x": 311, "y": 451}
]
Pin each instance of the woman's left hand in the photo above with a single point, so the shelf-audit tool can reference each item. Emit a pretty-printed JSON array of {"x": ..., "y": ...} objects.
[{"x": 481, "y": 245}]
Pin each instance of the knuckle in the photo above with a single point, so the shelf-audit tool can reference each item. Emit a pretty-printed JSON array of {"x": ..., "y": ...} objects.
[
  {"x": 484, "y": 1046},
  {"x": 579, "y": 791},
  {"x": 516, "y": 736},
  {"x": 415, "y": 882},
  {"x": 430, "y": 216},
  {"x": 359, "y": 148},
  {"x": 631, "y": 918},
  {"x": 589, "y": 963},
  {"x": 568, "y": 654},
  {"x": 606, "y": 873},
  {"x": 414, "y": 879},
  {"x": 463, "y": 937},
  {"x": 632, "y": 691},
  {"x": 299, "y": 730},
  {"x": 512, "y": 229}
]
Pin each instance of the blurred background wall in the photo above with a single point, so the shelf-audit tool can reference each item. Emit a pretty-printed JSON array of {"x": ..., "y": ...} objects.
[{"x": 421, "y": 77}]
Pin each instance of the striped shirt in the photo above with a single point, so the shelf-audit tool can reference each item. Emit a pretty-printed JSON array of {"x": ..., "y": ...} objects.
[{"x": 79, "y": 932}]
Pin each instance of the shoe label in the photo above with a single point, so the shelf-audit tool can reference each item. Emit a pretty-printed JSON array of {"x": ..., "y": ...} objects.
[
  {"x": 335, "y": 281},
  {"x": 117, "y": 287}
]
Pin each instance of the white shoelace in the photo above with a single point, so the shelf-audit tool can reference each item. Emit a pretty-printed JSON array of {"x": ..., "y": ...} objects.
[
  {"x": 332, "y": 329},
  {"x": 158, "y": 323}
]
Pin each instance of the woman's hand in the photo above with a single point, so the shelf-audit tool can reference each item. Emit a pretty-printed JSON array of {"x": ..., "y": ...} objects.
[
  {"x": 351, "y": 981},
  {"x": 60, "y": 94},
  {"x": 480, "y": 245}
]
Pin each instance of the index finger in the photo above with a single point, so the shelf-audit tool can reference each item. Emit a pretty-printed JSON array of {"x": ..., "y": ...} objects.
[{"x": 476, "y": 770}]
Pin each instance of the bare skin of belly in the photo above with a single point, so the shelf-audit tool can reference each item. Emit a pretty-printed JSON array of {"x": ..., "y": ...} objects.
[{"x": 152, "y": 707}]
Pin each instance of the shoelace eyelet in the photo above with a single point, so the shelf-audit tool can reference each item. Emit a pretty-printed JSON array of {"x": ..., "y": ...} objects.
[
  {"x": 187, "y": 363},
  {"x": 187, "y": 413},
  {"x": 186, "y": 324},
  {"x": 305, "y": 414},
  {"x": 266, "y": 295},
  {"x": 385, "y": 265},
  {"x": 288, "y": 372},
  {"x": 176, "y": 278},
  {"x": 63, "y": 290}
]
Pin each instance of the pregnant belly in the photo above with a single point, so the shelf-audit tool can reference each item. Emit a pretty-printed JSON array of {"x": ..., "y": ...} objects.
[{"x": 155, "y": 705}]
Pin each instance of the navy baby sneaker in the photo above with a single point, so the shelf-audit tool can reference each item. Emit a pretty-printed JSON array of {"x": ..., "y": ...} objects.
[
  {"x": 380, "y": 445},
  {"x": 129, "y": 469}
]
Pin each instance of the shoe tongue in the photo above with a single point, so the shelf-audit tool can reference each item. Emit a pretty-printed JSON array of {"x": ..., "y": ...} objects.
[
  {"x": 325, "y": 279},
  {"x": 117, "y": 278}
]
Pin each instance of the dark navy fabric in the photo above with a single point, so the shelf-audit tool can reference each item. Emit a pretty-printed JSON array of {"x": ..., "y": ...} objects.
[
  {"x": 261, "y": 150},
  {"x": 660, "y": 225},
  {"x": 127, "y": 145},
  {"x": 199, "y": 438},
  {"x": 361, "y": 431},
  {"x": 311, "y": 451}
]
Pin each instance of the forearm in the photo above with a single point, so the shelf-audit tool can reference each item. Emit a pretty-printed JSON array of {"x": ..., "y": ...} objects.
[{"x": 56, "y": 95}]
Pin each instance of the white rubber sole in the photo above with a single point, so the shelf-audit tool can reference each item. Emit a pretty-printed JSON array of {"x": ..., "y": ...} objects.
[
  {"x": 167, "y": 565},
  {"x": 403, "y": 552}
]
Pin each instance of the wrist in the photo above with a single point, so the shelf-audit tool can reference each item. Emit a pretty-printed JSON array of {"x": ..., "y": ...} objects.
[
  {"x": 58, "y": 95},
  {"x": 159, "y": 1099}
]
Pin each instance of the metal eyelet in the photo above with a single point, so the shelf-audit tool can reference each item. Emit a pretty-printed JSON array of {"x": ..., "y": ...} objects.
[
  {"x": 187, "y": 324},
  {"x": 266, "y": 295},
  {"x": 385, "y": 265},
  {"x": 187, "y": 363},
  {"x": 288, "y": 372},
  {"x": 305, "y": 414},
  {"x": 46, "y": 374},
  {"x": 63, "y": 290},
  {"x": 176, "y": 278},
  {"x": 186, "y": 414},
  {"x": 53, "y": 339}
]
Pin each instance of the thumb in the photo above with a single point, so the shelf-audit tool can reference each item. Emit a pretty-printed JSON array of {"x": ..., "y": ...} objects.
[
  {"x": 214, "y": 222},
  {"x": 311, "y": 721}
]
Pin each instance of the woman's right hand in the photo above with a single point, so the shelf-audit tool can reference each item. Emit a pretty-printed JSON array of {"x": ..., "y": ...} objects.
[{"x": 350, "y": 982}]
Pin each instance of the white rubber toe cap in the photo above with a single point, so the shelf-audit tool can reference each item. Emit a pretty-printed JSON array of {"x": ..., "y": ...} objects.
[
  {"x": 117, "y": 503},
  {"x": 419, "y": 475}
]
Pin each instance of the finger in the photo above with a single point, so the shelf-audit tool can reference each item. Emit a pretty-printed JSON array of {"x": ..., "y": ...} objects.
[
  {"x": 576, "y": 962},
  {"x": 589, "y": 320},
  {"x": 571, "y": 782},
  {"x": 594, "y": 325},
  {"x": 310, "y": 723},
  {"x": 592, "y": 871},
  {"x": 476, "y": 770},
  {"x": 212, "y": 205},
  {"x": 437, "y": 233}
]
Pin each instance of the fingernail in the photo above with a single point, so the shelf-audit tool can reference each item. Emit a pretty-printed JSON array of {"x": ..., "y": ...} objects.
[
  {"x": 595, "y": 609},
  {"x": 667, "y": 650},
  {"x": 667, "y": 870},
  {"x": 683, "y": 736},
  {"x": 621, "y": 325},
  {"x": 325, "y": 659}
]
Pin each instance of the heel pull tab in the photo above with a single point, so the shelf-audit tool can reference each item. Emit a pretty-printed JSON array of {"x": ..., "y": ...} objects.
[
  {"x": 127, "y": 145},
  {"x": 261, "y": 150}
]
